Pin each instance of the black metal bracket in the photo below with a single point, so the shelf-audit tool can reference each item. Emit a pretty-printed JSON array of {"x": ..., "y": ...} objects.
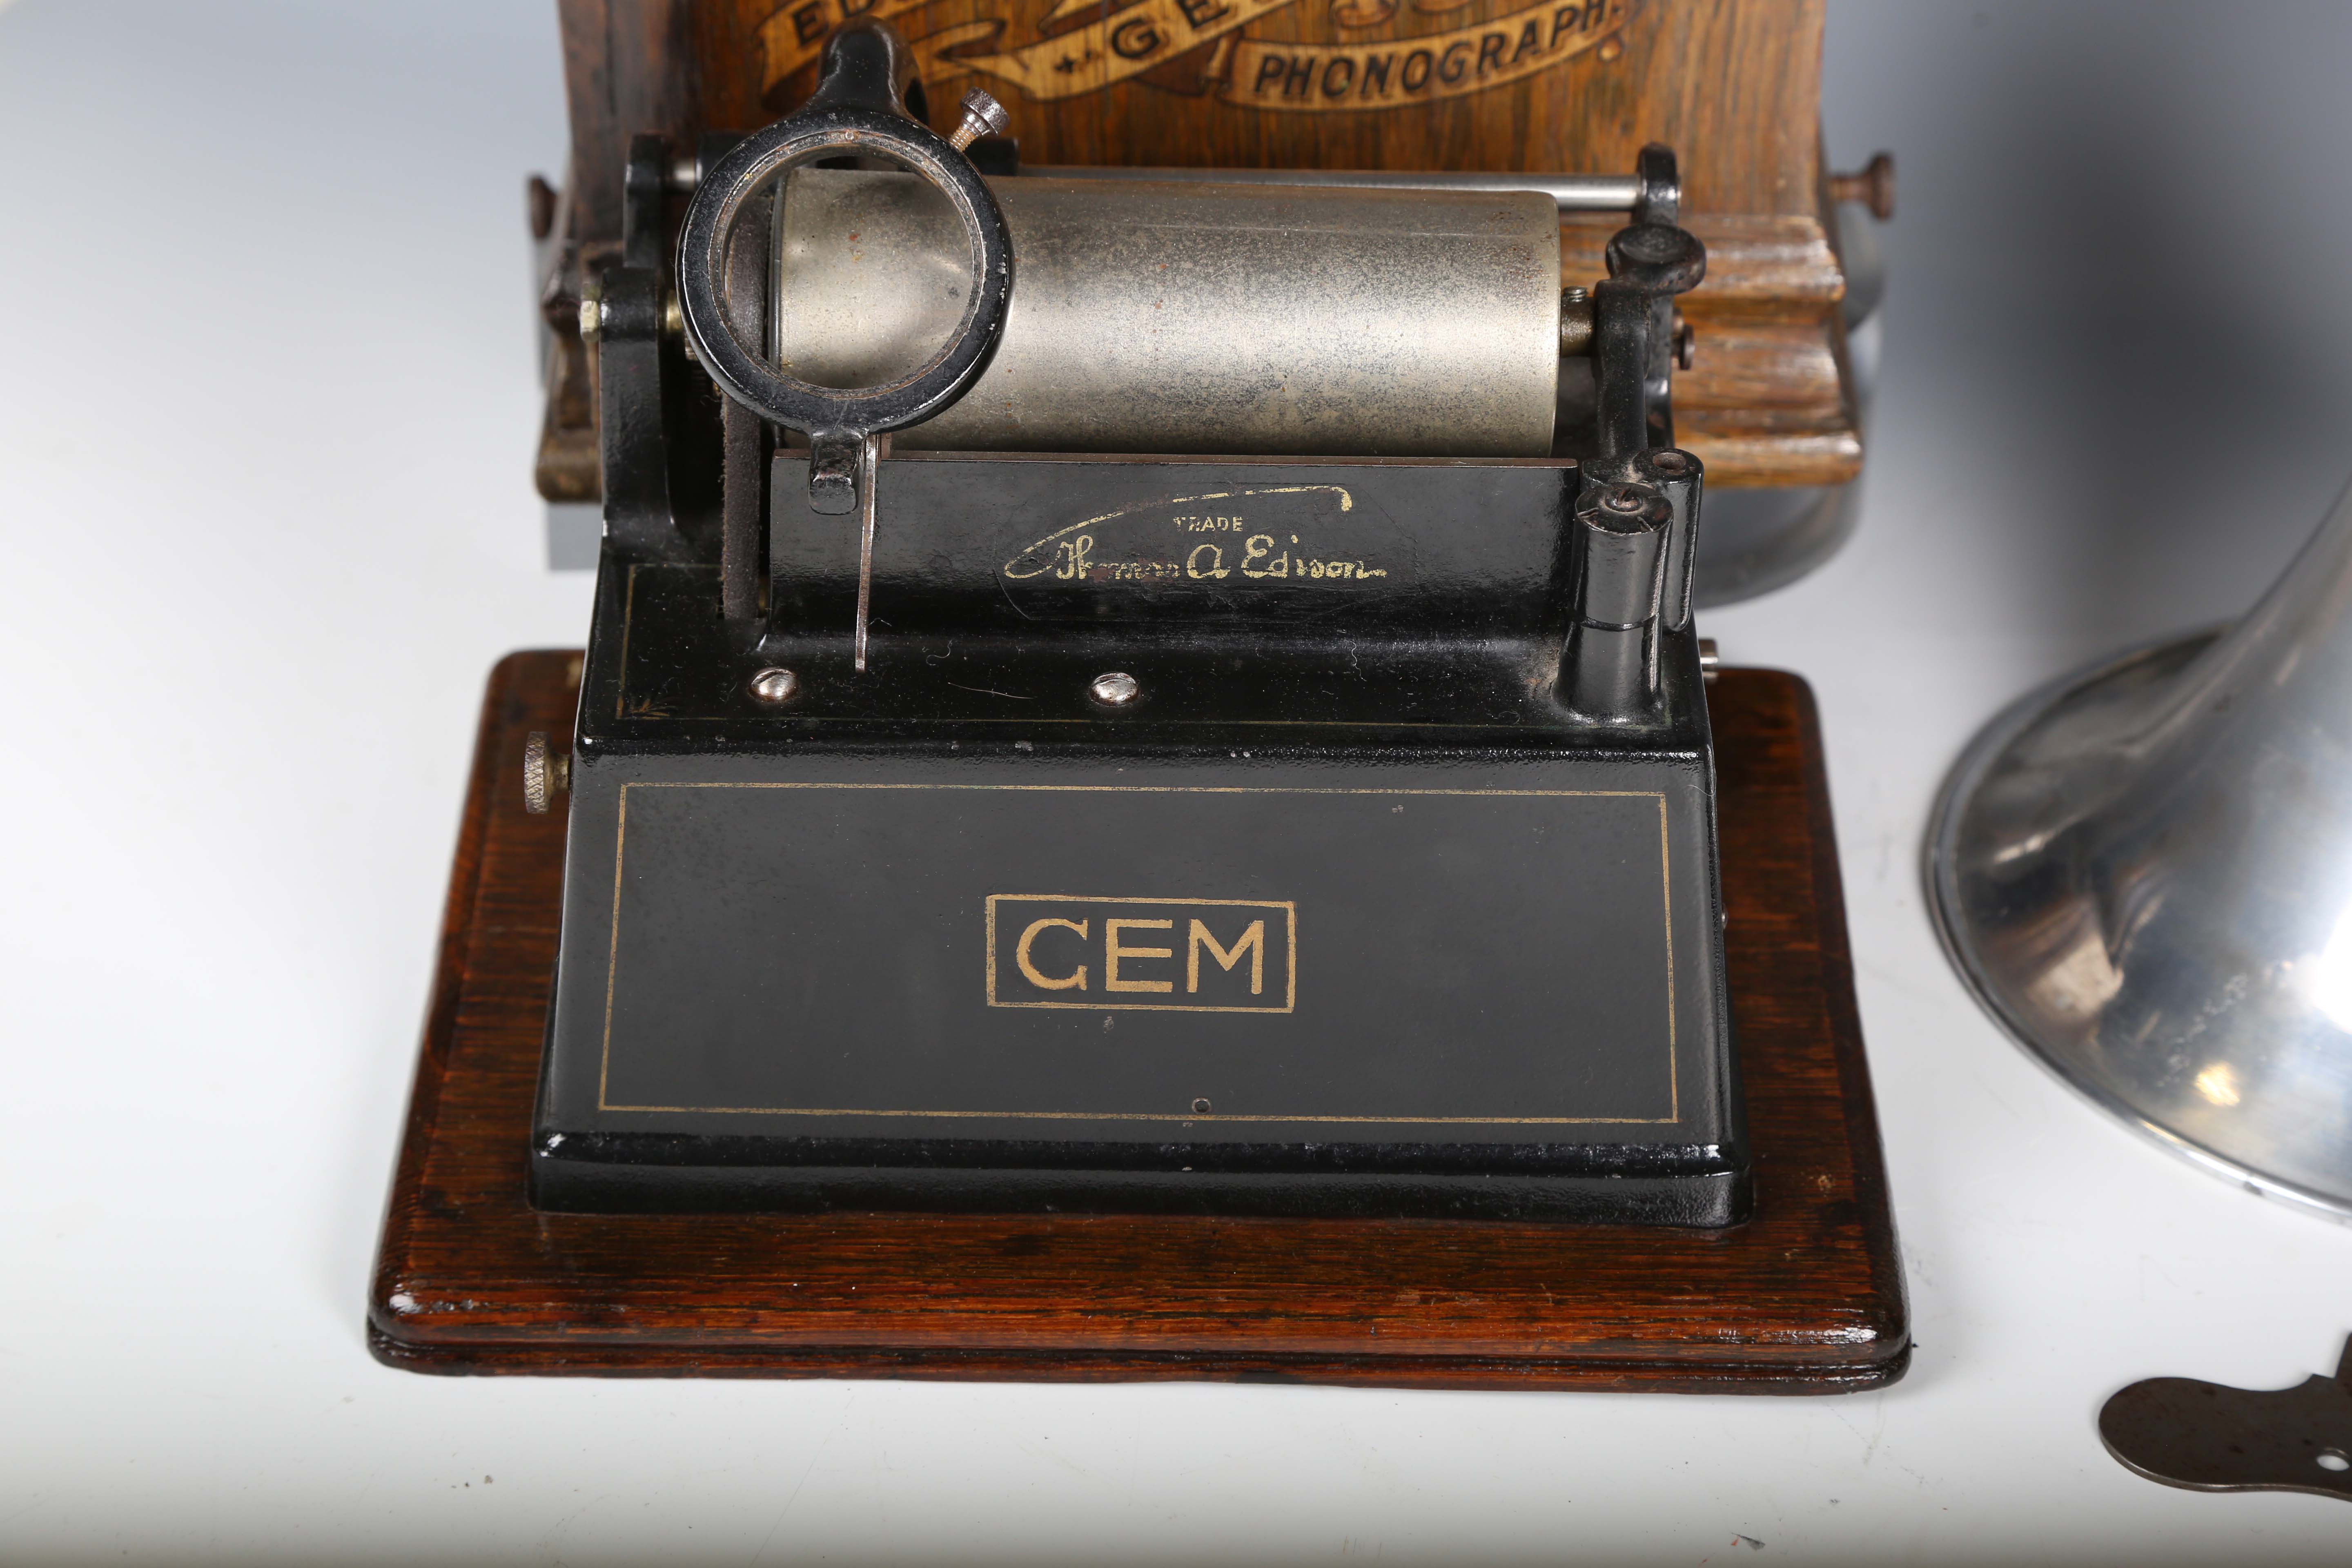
[
  {"x": 634, "y": 392},
  {"x": 858, "y": 109},
  {"x": 1650, "y": 262},
  {"x": 855, "y": 109},
  {"x": 1637, "y": 517}
]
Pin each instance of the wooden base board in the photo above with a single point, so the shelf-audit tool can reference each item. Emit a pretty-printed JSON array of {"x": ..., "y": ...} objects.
[{"x": 1807, "y": 1298}]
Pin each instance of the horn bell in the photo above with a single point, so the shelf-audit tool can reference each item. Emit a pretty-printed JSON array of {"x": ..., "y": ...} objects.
[{"x": 2144, "y": 871}]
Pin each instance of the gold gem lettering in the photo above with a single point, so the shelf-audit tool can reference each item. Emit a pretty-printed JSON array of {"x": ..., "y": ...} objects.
[
  {"x": 1113, "y": 952},
  {"x": 1076, "y": 982},
  {"x": 1134, "y": 39},
  {"x": 1252, "y": 940}
]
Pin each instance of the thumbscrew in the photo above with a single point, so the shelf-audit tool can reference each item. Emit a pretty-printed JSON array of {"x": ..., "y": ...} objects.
[{"x": 982, "y": 115}]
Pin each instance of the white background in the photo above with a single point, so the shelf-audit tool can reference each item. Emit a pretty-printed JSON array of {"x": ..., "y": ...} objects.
[{"x": 267, "y": 412}]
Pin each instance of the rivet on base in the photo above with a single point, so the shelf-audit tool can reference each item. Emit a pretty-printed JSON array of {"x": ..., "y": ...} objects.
[{"x": 774, "y": 685}]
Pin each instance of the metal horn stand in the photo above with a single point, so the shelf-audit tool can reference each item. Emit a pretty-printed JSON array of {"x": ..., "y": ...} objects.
[{"x": 2145, "y": 873}]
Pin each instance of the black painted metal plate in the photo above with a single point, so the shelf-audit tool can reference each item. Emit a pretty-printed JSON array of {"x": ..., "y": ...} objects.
[
  {"x": 1430, "y": 945},
  {"x": 1109, "y": 961},
  {"x": 1458, "y": 986}
]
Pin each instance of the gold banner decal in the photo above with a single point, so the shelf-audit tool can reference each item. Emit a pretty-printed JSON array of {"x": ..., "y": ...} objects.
[
  {"x": 1101, "y": 54},
  {"x": 1309, "y": 77},
  {"x": 1292, "y": 75}
]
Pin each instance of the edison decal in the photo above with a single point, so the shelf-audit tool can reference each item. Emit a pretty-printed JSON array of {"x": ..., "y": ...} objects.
[
  {"x": 1278, "y": 535},
  {"x": 1207, "y": 955}
]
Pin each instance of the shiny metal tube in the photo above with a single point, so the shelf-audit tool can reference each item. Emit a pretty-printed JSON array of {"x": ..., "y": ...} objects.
[
  {"x": 1570, "y": 193},
  {"x": 1624, "y": 531},
  {"x": 1189, "y": 318}
]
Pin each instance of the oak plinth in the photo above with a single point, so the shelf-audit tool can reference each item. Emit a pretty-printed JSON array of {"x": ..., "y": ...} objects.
[{"x": 1806, "y": 1298}]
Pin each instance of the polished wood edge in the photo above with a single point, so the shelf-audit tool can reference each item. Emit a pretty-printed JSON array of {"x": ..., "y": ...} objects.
[
  {"x": 1743, "y": 458},
  {"x": 1461, "y": 1374},
  {"x": 1859, "y": 1099},
  {"x": 457, "y": 908}
]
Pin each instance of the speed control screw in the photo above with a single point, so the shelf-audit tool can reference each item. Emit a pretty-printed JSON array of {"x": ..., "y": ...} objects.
[{"x": 1116, "y": 690}]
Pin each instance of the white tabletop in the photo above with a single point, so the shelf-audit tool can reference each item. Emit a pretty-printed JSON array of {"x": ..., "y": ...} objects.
[{"x": 267, "y": 412}]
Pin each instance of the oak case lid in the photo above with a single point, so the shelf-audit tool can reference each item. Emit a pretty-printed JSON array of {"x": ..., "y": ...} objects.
[{"x": 1735, "y": 88}]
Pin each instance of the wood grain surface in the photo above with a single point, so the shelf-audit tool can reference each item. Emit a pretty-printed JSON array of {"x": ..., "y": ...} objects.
[
  {"x": 1807, "y": 1298},
  {"x": 1736, "y": 86}
]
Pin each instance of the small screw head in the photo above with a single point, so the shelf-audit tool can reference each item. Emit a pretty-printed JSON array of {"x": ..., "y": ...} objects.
[
  {"x": 1114, "y": 689},
  {"x": 1710, "y": 659},
  {"x": 774, "y": 685},
  {"x": 1574, "y": 294},
  {"x": 1200, "y": 1106},
  {"x": 592, "y": 310},
  {"x": 1623, "y": 498},
  {"x": 982, "y": 115}
]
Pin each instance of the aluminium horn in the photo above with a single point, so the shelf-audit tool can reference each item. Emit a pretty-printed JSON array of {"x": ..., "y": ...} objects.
[{"x": 2145, "y": 873}]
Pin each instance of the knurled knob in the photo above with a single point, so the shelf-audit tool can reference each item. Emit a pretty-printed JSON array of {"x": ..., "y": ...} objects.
[
  {"x": 982, "y": 115},
  {"x": 544, "y": 771}
]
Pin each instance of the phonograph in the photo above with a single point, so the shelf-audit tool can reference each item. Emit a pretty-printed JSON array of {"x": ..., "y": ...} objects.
[{"x": 1143, "y": 798}]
